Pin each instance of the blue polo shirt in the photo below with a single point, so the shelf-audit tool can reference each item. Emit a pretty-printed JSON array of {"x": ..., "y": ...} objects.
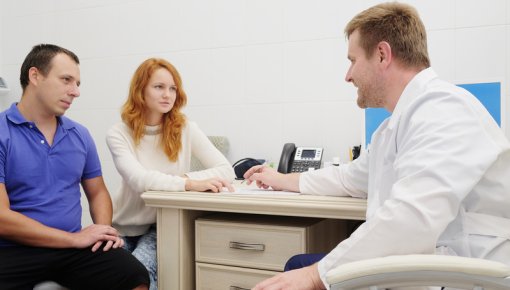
[{"x": 42, "y": 181}]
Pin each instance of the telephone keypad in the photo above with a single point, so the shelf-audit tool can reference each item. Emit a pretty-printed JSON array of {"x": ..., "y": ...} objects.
[{"x": 303, "y": 165}]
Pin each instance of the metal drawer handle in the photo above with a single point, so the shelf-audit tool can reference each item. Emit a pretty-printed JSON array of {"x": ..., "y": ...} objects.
[
  {"x": 246, "y": 246},
  {"x": 238, "y": 288}
]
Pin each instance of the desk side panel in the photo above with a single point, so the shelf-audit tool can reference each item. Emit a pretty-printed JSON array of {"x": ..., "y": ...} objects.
[{"x": 175, "y": 248}]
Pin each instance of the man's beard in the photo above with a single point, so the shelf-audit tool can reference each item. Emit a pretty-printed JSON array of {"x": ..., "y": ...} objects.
[{"x": 371, "y": 96}]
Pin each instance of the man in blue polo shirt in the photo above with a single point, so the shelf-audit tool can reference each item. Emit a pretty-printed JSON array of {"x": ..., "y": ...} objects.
[{"x": 44, "y": 157}]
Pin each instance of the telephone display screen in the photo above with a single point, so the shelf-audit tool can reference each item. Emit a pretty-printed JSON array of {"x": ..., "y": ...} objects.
[{"x": 308, "y": 154}]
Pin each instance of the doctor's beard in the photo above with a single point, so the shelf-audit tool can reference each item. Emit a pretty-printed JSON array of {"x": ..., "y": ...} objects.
[{"x": 370, "y": 96}]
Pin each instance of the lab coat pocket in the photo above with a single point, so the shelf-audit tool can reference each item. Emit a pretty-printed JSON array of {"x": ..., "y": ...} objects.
[
  {"x": 486, "y": 225},
  {"x": 488, "y": 236}
]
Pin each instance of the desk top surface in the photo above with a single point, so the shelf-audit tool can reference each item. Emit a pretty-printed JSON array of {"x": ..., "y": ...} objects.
[{"x": 287, "y": 205}]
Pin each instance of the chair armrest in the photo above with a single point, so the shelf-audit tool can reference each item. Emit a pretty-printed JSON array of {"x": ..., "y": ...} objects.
[{"x": 420, "y": 270}]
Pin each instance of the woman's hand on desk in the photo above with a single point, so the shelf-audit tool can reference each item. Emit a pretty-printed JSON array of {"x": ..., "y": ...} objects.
[
  {"x": 214, "y": 184},
  {"x": 266, "y": 177}
]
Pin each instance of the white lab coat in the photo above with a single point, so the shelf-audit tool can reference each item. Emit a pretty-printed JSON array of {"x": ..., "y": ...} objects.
[{"x": 436, "y": 179}]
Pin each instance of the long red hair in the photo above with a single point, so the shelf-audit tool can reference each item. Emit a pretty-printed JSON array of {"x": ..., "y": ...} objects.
[{"x": 134, "y": 113}]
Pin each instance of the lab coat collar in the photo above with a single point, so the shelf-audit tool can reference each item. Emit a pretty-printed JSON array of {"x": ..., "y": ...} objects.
[{"x": 412, "y": 91}]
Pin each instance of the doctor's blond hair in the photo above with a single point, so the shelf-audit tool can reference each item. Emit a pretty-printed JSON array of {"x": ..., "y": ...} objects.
[
  {"x": 134, "y": 109},
  {"x": 396, "y": 23}
]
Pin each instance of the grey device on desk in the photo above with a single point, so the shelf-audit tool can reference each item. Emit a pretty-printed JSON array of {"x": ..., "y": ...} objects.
[{"x": 299, "y": 159}]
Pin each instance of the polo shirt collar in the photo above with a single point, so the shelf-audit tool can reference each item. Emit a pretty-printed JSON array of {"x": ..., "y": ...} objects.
[{"x": 14, "y": 115}]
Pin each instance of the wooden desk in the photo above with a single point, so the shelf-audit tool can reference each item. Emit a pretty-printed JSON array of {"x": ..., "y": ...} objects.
[{"x": 177, "y": 211}]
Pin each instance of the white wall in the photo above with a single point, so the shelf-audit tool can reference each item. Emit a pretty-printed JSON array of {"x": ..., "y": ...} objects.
[{"x": 262, "y": 72}]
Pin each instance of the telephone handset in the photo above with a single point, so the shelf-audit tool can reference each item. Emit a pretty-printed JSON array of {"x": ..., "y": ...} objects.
[{"x": 299, "y": 159}]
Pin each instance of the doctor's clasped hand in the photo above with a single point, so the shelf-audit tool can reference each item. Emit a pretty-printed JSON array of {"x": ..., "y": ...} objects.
[{"x": 299, "y": 279}]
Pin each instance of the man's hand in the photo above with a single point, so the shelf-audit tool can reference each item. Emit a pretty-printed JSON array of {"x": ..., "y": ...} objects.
[
  {"x": 95, "y": 235},
  {"x": 265, "y": 177},
  {"x": 214, "y": 184},
  {"x": 301, "y": 279}
]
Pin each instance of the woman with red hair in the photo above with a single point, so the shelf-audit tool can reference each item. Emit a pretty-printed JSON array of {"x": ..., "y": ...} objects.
[{"x": 152, "y": 149}]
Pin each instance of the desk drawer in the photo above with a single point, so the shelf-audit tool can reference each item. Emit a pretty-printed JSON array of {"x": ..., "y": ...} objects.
[
  {"x": 218, "y": 277},
  {"x": 262, "y": 242}
]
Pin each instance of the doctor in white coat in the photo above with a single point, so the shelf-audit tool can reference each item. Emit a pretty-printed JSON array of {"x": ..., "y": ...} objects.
[{"x": 437, "y": 175}]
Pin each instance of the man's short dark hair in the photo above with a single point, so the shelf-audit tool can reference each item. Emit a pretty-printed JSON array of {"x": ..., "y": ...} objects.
[{"x": 40, "y": 57}]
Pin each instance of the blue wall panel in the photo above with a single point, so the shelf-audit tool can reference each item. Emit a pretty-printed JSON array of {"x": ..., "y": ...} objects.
[{"x": 489, "y": 95}]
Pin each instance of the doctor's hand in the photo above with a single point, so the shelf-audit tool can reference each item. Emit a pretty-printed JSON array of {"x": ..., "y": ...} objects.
[
  {"x": 214, "y": 184},
  {"x": 301, "y": 279},
  {"x": 266, "y": 177}
]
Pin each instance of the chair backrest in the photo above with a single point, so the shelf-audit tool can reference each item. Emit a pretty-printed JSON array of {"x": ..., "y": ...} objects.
[{"x": 221, "y": 142}]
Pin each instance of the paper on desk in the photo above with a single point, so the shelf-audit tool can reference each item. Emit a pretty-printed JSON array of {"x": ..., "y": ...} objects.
[{"x": 257, "y": 191}]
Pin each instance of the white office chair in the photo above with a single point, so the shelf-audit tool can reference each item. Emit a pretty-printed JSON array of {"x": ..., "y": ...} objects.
[
  {"x": 420, "y": 270},
  {"x": 220, "y": 142}
]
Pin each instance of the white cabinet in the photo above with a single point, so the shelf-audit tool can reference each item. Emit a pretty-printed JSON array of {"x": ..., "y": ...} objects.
[{"x": 236, "y": 251}]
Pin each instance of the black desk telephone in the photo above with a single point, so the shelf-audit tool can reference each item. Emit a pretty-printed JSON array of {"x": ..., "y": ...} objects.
[{"x": 299, "y": 159}]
